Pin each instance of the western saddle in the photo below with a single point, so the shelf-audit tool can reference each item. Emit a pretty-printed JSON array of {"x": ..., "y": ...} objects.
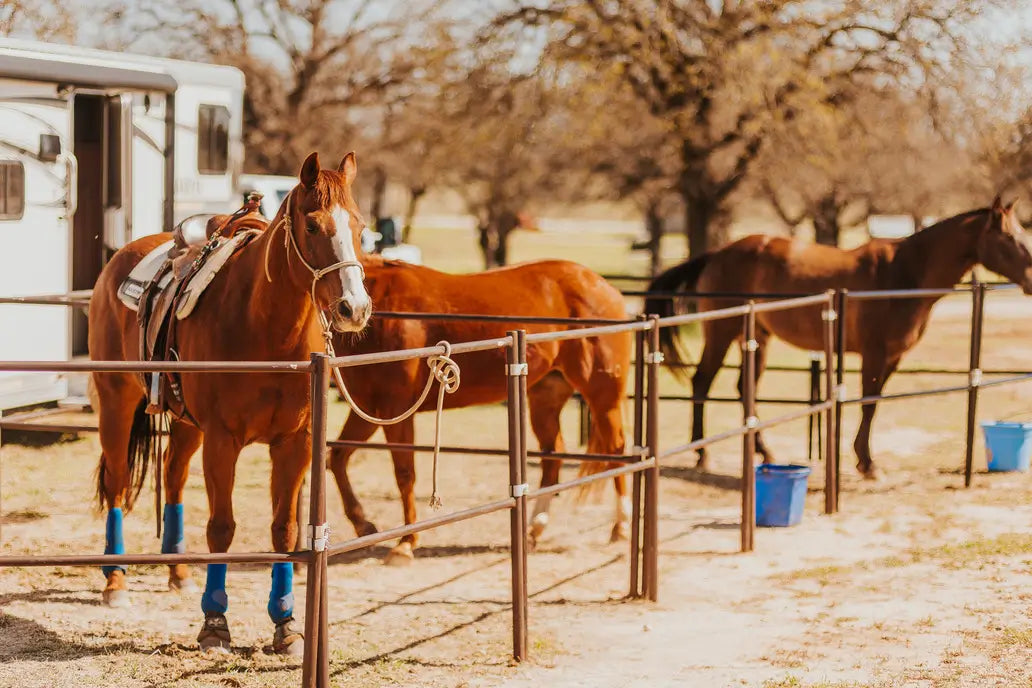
[{"x": 164, "y": 288}]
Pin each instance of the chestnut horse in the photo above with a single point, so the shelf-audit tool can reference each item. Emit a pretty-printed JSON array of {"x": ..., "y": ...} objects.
[
  {"x": 264, "y": 305},
  {"x": 881, "y": 331},
  {"x": 597, "y": 367}
]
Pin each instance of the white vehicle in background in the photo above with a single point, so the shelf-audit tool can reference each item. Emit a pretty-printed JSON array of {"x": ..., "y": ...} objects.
[
  {"x": 96, "y": 149},
  {"x": 274, "y": 188}
]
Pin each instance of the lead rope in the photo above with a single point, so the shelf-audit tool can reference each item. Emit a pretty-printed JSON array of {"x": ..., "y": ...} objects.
[{"x": 442, "y": 369}]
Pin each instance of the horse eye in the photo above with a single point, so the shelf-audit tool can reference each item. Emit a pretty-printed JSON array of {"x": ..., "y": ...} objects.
[{"x": 312, "y": 227}]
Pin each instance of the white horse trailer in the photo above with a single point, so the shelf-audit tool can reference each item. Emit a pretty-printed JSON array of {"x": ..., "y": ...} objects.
[{"x": 96, "y": 149}]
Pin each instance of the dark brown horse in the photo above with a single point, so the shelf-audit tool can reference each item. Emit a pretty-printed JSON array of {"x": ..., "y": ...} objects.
[
  {"x": 597, "y": 367},
  {"x": 259, "y": 307},
  {"x": 881, "y": 331}
]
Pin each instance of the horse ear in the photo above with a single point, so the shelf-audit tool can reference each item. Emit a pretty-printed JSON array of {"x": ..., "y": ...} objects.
[
  {"x": 310, "y": 170},
  {"x": 1010, "y": 206},
  {"x": 997, "y": 205},
  {"x": 348, "y": 167}
]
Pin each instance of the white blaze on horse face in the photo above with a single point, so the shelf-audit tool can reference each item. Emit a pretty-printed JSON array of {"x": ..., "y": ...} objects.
[{"x": 352, "y": 289}]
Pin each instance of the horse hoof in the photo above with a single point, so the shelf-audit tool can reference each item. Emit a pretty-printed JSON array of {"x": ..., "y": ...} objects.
[
  {"x": 702, "y": 465},
  {"x": 872, "y": 473},
  {"x": 400, "y": 556},
  {"x": 183, "y": 585},
  {"x": 366, "y": 528},
  {"x": 214, "y": 635},
  {"x": 620, "y": 533},
  {"x": 117, "y": 598},
  {"x": 285, "y": 641}
]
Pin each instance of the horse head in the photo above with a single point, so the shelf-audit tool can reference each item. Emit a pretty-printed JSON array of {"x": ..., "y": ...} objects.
[
  {"x": 1005, "y": 247},
  {"x": 323, "y": 225}
]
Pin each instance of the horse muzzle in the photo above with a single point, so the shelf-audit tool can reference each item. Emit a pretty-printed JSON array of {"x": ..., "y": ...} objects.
[{"x": 350, "y": 314}]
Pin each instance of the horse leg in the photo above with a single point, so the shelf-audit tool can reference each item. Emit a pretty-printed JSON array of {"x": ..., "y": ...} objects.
[
  {"x": 183, "y": 441},
  {"x": 718, "y": 336},
  {"x": 546, "y": 400},
  {"x": 405, "y": 475},
  {"x": 761, "y": 364},
  {"x": 290, "y": 458},
  {"x": 607, "y": 437},
  {"x": 359, "y": 430},
  {"x": 876, "y": 369},
  {"x": 117, "y": 402},
  {"x": 220, "y": 453}
]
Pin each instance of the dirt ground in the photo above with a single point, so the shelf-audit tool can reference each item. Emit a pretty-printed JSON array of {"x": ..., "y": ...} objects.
[{"x": 918, "y": 582}]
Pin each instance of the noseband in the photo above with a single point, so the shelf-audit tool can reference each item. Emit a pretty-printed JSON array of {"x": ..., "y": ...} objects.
[{"x": 290, "y": 241}]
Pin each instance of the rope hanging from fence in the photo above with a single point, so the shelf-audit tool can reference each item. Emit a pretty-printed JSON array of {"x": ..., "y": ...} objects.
[{"x": 442, "y": 369}]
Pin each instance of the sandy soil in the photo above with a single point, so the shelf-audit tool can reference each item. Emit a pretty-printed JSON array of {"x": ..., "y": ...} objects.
[{"x": 917, "y": 582}]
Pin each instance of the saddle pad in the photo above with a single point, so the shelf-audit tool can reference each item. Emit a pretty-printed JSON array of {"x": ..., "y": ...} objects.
[
  {"x": 131, "y": 289},
  {"x": 208, "y": 270}
]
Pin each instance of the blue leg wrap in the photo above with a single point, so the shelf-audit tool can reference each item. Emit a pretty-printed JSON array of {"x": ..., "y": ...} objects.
[
  {"x": 113, "y": 541},
  {"x": 214, "y": 600},
  {"x": 172, "y": 538},
  {"x": 281, "y": 596}
]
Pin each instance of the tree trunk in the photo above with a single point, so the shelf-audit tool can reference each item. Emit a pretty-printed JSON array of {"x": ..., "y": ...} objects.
[
  {"x": 654, "y": 226},
  {"x": 494, "y": 237},
  {"x": 379, "y": 193},
  {"x": 415, "y": 194},
  {"x": 826, "y": 227},
  {"x": 488, "y": 237}
]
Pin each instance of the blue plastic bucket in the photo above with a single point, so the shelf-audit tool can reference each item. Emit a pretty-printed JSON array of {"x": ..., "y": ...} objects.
[
  {"x": 1007, "y": 445},
  {"x": 780, "y": 494}
]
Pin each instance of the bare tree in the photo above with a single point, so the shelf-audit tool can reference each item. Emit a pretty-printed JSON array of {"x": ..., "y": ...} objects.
[
  {"x": 720, "y": 72},
  {"x": 46, "y": 20},
  {"x": 311, "y": 65}
]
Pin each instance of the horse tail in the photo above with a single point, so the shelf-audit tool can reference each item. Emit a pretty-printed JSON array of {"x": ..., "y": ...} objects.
[
  {"x": 141, "y": 445},
  {"x": 682, "y": 277}
]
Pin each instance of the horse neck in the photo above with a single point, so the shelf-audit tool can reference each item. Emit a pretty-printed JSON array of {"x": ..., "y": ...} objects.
[
  {"x": 279, "y": 310},
  {"x": 939, "y": 256}
]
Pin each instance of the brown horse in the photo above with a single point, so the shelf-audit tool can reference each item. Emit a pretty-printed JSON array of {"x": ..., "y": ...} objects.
[
  {"x": 881, "y": 331},
  {"x": 597, "y": 367},
  {"x": 259, "y": 307}
]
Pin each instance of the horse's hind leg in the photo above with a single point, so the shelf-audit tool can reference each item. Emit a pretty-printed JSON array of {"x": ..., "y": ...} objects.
[
  {"x": 762, "y": 336},
  {"x": 546, "y": 400},
  {"x": 184, "y": 439},
  {"x": 358, "y": 430},
  {"x": 719, "y": 334},
  {"x": 405, "y": 475},
  {"x": 117, "y": 401}
]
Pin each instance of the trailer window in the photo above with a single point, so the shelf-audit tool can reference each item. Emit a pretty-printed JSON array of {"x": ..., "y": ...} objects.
[
  {"x": 12, "y": 190},
  {"x": 213, "y": 139}
]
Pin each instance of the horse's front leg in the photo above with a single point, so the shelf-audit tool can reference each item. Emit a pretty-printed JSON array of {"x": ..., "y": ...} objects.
[
  {"x": 290, "y": 457},
  {"x": 184, "y": 439},
  {"x": 875, "y": 370},
  {"x": 405, "y": 475},
  {"x": 220, "y": 451}
]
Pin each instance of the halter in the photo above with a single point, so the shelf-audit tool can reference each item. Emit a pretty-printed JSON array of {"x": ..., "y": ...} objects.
[{"x": 317, "y": 273}]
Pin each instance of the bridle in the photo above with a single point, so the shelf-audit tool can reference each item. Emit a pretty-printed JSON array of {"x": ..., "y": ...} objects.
[{"x": 290, "y": 241}]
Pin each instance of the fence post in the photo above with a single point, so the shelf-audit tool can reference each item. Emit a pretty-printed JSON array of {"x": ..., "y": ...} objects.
[
  {"x": 749, "y": 347},
  {"x": 832, "y": 323},
  {"x": 815, "y": 398},
  {"x": 974, "y": 374},
  {"x": 650, "y": 564},
  {"x": 639, "y": 423},
  {"x": 516, "y": 377},
  {"x": 315, "y": 665},
  {"x": 842, "y": 303}
]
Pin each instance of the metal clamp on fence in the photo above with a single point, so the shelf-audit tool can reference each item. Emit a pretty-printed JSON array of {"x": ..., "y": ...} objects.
[
  {"x": 516, "y": 369},
  {"x": 841, "y": 394},
  {"x": 318, "y": 537},
  {"x": 829, "y": 315},
  {"x": 751, "y": 345},
  {"x": 752, "y": 422},
  {"x": 975, "y": 377},
  {"x": 641, "y": 452},
  {"x": 520, "y": 490},
  {"x": 655, "y": 357}
]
